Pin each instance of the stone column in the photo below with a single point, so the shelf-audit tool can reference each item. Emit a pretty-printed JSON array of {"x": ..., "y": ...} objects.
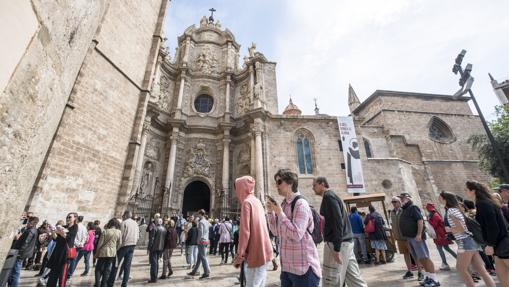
[
  {"x": 181, "y": 91},
  {"x": 227, "y": 100},
  {"x": 171, "y": 164},
  {"x": 226, "y": 170},
  {"x": 141, "y": 154},
  {"x": 258, "y": 128}
]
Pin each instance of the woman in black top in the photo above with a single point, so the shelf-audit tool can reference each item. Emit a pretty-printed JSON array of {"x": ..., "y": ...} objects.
[
  {"x": 59, "y": 259},
  {"x": 378, "y": 237},
  {"x": 494, "y": 227}
]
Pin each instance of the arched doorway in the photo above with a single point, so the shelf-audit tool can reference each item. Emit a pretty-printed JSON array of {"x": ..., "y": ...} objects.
[{"x": 196, "y": 197}]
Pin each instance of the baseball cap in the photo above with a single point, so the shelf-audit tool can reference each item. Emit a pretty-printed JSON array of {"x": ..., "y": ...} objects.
[
  {"x": 502, "y": 186},
  {"x": 405, "y": 195}
]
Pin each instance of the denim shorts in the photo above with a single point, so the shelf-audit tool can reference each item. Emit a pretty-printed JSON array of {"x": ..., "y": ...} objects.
[
  {"x": 467, "y": 244},
  {"x": 418, "y": 249}
]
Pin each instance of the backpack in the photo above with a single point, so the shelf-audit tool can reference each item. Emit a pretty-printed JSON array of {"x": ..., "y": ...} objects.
[
  {"x": 370, "y": 227},
  {"x": 475, "y": 228},
  {"x": 317, "y": 233}
]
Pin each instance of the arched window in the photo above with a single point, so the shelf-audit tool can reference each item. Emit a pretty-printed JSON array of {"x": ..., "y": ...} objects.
[
  {"x": 304, "y": 153},
  {"x": 439, "y": 131},
  {"x": 367, "y": 148}
]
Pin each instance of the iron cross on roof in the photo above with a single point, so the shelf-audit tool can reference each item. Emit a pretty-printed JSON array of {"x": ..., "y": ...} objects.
[{"x": 211, "y": 18}]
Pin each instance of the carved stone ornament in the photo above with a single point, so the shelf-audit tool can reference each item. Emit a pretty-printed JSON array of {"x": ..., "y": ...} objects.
[
  {"x": 206, "y": 62},
  {"x": 244, "y": 102},
  {"x": 198, "y": 164},
  {"x": 152, "y": 150},
  {"x": 163, "y": 95}
]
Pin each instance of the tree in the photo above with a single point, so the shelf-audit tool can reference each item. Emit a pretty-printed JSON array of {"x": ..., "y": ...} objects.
[{"x": 500, "y": 130}]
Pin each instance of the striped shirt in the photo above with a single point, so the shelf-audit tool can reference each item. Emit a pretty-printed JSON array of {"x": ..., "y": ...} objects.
[
  {"x": 298, "y": 251},
  {"x": 453, "y": 216}
]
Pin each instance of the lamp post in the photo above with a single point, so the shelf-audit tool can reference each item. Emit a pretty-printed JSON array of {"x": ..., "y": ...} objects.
[{"x": 466, "y": 81}]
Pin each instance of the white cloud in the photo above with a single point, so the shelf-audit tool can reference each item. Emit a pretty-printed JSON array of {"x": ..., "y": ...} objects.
[{"x": 392, "y": 45}]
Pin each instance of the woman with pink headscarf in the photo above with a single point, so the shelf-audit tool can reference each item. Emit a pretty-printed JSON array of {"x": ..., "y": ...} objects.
[{"x": 254, "y": 242}]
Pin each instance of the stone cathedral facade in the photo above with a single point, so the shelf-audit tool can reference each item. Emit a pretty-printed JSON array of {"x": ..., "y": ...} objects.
[{"x": 212, "y": 118}]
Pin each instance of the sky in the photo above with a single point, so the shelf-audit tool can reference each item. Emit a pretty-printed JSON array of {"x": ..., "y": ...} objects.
[{"x": 322, "y": 46}]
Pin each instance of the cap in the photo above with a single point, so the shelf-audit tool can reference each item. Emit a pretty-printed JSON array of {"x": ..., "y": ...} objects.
[
  {"x": 405, "y": 195},
  {"x": 503, "y": 186}
]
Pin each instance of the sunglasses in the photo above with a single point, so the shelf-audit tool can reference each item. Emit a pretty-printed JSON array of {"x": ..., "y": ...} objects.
[{"x": 279, "y": 181}]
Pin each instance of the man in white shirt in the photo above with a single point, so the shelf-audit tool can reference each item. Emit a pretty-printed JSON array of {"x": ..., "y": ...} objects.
[
  {"x": 79, "y": 242},
  {"x": 130, "y": 235}
]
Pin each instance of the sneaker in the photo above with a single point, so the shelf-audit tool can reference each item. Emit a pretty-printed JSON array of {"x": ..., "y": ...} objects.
[
  {"x": 445, "y": 267},
  {"x": 432, "y": 283},
  {"x": 492, "y": 272},
  {"x": 204, "y": 276},
  {"x": 420, "y": 276},
  {"x": 191, "y": 274},
  {"x": 408, "y": 275}
]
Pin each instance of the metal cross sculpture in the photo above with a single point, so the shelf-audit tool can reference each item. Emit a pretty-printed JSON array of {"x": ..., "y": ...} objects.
[{"x": 211, "y": 18}]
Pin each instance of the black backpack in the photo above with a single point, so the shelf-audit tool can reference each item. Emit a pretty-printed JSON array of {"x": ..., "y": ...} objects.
[
  {"x": 475, "y": 228},
  {"x": 317, "y": 221}
]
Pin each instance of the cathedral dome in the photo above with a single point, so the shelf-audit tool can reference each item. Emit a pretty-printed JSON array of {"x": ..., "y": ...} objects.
[{"x": 292, "y": 109}]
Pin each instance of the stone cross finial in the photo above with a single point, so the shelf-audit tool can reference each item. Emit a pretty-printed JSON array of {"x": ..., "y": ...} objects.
[
  {"x": 211, "y": 18},
  {"x": 317, "y": 111}
]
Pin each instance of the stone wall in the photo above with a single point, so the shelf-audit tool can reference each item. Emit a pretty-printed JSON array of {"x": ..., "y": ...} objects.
[
  {"x": 326, "y": 156},
  {"x": 57, "y": 36},
  {"x": 86, "y": 165}
]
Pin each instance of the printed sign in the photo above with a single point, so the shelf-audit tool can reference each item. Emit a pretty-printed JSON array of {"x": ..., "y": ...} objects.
[{"x": 353, "y": 165}]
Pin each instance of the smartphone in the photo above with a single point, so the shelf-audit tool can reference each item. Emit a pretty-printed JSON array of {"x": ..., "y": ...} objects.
[{"x": 271, "y": 199}]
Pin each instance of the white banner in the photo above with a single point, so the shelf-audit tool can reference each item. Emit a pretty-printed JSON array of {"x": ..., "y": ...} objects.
[{"x": 353, "y": 165}]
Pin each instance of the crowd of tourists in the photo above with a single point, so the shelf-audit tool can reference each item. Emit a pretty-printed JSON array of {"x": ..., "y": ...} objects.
[{"x": 282, "y": 234}]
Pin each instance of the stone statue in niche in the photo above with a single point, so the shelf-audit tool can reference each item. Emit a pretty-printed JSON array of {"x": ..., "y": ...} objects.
[
  {"x": 244, "y": 101},
  {"x": 144, "y": 190},
  {"x": 252, "y": 50},
  {"x": 198, "y": 164},
  {"x": 258, "y": 91},
  {"x": 206, "y": 62}
]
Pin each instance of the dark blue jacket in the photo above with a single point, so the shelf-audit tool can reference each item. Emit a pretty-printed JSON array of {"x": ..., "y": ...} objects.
[{"x": 356, "y": 222}]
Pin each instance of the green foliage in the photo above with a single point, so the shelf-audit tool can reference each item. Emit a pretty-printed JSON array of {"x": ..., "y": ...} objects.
[{"x": 500, "y": 131}]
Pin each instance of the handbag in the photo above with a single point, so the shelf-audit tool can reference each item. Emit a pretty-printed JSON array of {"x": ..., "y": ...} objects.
[
  {"x": 370, "y": 227},
  {"x": 71, "y": 252}
]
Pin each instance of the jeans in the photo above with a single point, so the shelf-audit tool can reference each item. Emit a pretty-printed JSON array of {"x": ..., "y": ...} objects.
[
  {"x": 15, "y": 273},
  {"x": 202, "y": 259},
  {"x": 223, "y": 250},
  {"x": 86, "y": 255},
  {"x": 153, "y": 258},
  {"x": 192, "y": 251},
  {"x": 103, "y": 271},
  {"x": 256, "y": 276},
  {"x": 167, "y": 261},
  {"x": 360, "y": 239},
  {"x": 124, "y": 258},
  {"x": 334, "y": 274},
  {"x": 309, "y": 279},
  {"x": 73, "y": 263},
  {"x": 441, "y": 249}
]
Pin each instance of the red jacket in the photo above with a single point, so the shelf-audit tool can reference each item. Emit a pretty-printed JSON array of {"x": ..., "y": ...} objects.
[{"x": 435, "y": 219}]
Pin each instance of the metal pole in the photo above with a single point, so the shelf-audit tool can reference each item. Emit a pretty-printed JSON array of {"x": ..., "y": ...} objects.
[{"x": 493, "y": 143}]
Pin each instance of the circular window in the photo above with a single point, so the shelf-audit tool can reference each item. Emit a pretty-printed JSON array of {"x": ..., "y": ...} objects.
[
  {"x": 386, "y": 183},
  {"x": 203, "y": 103}
]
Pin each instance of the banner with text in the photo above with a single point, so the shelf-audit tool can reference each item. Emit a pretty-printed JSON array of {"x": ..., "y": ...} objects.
[{"x": 353, "y": 165}]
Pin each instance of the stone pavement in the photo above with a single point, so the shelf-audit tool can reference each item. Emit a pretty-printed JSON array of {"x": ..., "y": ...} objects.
[{"x": 226, "y": 275}]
